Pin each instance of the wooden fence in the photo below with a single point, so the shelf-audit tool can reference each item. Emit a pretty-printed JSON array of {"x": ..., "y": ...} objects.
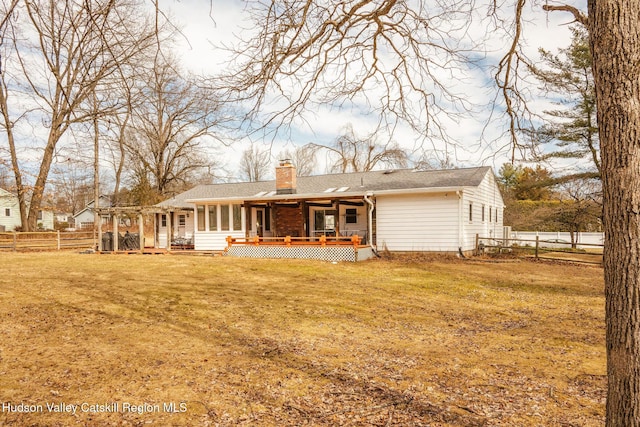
[
  {"x": 556, "y": 249},
  {"x": 46, "y": 240}
]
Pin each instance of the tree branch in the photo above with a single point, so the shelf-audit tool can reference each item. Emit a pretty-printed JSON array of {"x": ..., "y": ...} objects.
[{"x": 579, "y": 16}]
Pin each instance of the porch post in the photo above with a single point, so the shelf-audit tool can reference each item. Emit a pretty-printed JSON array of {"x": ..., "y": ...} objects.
[
  {"x": 99, "y": 225},
  {"x": 274, "y": 220},
  {"x": 169, "y": 215},
  {"x": 141, "y": 231},
  {"x": 305, "y": 219},
  {"x": 336, "y": 204},
  {"x": 115, "y": 232},
  {"x": 156, "y": 230},
  {"x": 247, "y": 219}
]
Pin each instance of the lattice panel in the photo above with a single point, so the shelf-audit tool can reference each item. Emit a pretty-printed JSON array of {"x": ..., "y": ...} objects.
[{"x": 326, "y": 253}]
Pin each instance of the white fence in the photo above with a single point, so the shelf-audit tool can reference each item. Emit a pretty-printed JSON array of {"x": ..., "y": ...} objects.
[
  {"x": 585, "y": 238},
  {"x": 587, "y": 247}
]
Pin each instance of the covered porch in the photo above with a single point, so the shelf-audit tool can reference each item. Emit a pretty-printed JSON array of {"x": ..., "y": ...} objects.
[
  {"x": 268, "y": 225},
  {"x": 311, "y": 219}
]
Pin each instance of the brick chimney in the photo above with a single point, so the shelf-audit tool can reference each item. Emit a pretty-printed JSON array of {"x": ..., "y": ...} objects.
[{"x": 285, "y": 177}]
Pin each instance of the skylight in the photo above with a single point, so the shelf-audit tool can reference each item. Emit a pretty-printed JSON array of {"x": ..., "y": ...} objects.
[
  {"x": 342, "y": 189},
  {"x": 330, "y": 190}
]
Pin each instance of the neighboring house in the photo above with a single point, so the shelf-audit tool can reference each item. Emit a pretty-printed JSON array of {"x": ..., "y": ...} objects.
[
  {"x": 10, "y": 213},
  {"x": 394, "y": 210},
  {"x": 64, "y": 220},
  {"x": 46, "y": 219},
  {"x": 61, "y": 217},
  {"x": 85, "y": 218}
]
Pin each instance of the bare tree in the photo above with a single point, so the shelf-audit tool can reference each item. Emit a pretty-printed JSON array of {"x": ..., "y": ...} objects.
[
  {"x": 431, "y": 160},
  {"x": 5, "y": 176},
  {"x": 395, "y": 57},
  {"x": 303, "y": 157},
  {"x": 170, "y": 130},
  {"x": 351, "y": 153},
  {"x": 255, "y": 163},
  {"x": 71, "y": 182},
  {"x": 77, "y": 45},
  {"x": 581, "y": 207}
]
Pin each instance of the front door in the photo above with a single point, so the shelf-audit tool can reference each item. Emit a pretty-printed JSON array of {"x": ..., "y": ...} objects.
[{"x": 182, "y": 225}]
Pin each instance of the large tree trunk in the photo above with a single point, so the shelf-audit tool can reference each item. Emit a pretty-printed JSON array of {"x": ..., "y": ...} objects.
[
  {"x": 615, "y": 42},
  {"x": 41, "y": 181}
]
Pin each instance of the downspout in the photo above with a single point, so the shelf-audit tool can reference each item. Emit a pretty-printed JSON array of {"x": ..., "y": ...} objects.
[
  {"x": 460, "y": 224},
  {"x": 370, "y": 221}
]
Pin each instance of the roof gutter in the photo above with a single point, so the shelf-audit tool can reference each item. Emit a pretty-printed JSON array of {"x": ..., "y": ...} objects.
[
  {"x": 426, "y": 190},
  {"x": 281, "y": 198},
  {"x": 460, "y": 195},
  {"x": 325, "y": 196}
]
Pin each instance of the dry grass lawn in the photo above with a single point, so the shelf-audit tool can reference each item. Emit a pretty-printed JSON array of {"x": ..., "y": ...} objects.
[{"x": 264, "y": 342}]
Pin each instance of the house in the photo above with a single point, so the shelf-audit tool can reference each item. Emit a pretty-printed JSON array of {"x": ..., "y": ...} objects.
[
  {"x": 394, "y": 210},
  {"x": 10, "y": 214},
  {"x": 85, "y": 218},
  {"x": 9, "y": 211}
]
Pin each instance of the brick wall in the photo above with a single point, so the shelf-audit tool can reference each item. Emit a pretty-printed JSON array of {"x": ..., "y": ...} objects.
[
  {"x": 286, "y": 178},
  {"x": 289, "y": 220}
]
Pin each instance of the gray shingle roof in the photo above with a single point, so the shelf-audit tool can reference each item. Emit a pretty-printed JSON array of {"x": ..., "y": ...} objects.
[{"x": 350, "y": 183}]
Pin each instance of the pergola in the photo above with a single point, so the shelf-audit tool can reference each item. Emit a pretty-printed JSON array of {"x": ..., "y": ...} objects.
[{"x": 118, "y": 212}]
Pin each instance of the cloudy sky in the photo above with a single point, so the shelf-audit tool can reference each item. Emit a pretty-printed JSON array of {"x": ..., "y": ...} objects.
[{"x": 208, "y": 24}]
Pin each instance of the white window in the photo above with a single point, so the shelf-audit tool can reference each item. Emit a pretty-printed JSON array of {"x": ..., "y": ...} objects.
[
  {"x": 470, "y": 212},
  {"x": 213, "y": 217},
  {"x": 237, "y": 217},
  {"x": 220, "y": 218},
  {"x": 7, "y": 212},
  {"x": 201, "y": 218},
  {"x": 224, "y": 217}
]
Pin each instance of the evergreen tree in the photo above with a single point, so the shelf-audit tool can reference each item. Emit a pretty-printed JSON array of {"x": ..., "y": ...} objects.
[{"x": 574, "y": 128}]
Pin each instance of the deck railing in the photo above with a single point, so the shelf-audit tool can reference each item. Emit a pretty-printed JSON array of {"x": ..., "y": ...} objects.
[{"x": 355, "y": 241}]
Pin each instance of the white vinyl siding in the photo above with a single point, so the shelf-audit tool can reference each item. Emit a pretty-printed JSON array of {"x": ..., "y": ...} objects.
[
  {"x": 421, "y": 222},
  {"x": 230, "y": 221},
  {"x": 486, "y": 196},
  {"x": 9, "y": 205}
]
